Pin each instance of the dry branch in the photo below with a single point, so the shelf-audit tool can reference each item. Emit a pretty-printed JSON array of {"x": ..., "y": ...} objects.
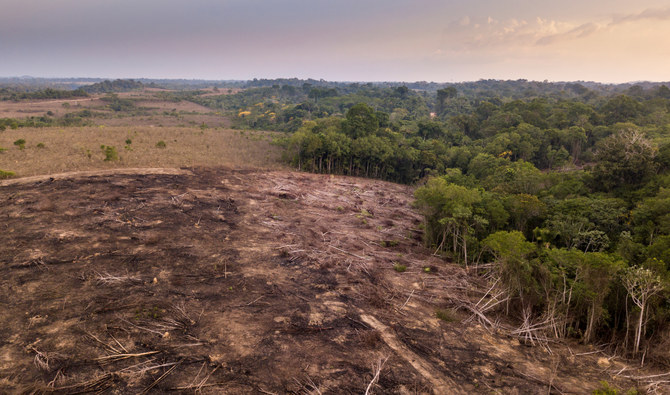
[
  {"x": 163, "y": 376},
  {"x": 376, "y": 368}
]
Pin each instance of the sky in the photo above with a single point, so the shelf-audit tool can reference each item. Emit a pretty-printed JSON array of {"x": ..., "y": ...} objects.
[{"x": 338, "y": 40}]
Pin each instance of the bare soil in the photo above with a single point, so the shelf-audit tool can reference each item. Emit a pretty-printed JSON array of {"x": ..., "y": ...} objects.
[{"x": 214, "y": 280}]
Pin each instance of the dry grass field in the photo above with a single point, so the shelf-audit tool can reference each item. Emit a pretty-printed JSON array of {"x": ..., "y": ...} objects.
[
  {"x": 78, "y": 148},
  {"x": 193, "y": 135}
]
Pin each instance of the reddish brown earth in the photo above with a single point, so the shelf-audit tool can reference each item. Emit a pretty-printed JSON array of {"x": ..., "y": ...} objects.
[{"x": 216, "y": 280}]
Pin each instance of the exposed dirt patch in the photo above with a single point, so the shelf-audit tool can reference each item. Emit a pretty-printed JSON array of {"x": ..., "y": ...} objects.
[{"x": 243, "y": 282}]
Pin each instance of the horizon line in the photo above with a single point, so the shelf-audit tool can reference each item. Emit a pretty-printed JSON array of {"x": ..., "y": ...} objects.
[{"x": 338, "y": 81}]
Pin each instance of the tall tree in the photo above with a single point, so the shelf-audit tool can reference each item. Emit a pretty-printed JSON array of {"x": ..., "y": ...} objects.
[{"x": 641, "y": 285}]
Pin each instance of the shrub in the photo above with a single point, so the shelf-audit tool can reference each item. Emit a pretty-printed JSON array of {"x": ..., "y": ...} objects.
[
  {"x": 110, "y": 153},
  {"x": 445, "y": 315},
  {"x": 6, "y": 174},
  {"x": 160, "y": 144},
  {"x": 399, "y": 267},
  {"x": 41, "y": 145},
  {"x": 607, "y": 389},
  {"x": 21, "y": 143}
]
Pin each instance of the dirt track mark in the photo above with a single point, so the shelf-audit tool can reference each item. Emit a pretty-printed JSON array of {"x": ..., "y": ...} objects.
[
  {"x": 92, "y": 173},
  {"x": 441, "y": 384}
]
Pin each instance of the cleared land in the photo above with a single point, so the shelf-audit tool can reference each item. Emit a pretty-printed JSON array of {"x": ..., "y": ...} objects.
[{"x": 246, "y": 282}]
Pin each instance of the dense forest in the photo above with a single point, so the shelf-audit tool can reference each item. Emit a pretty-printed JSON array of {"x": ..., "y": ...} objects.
[{"x": 559, "y": 193}]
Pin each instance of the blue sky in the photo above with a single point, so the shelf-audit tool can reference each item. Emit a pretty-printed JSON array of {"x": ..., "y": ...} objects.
[{"x": 347, "y": 40}]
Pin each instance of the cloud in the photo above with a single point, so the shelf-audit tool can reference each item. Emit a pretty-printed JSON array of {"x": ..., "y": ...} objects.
[
  {"x": 588, "y": 29},
  {"x": 581, "y": 31},
  {"x": 648, "y": 14},
  {"x": 490, "y": 33},
  {"x": 477, "y": 34}
]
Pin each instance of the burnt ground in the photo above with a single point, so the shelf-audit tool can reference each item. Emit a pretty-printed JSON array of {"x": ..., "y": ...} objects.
[{"x": 216, "y": 280}]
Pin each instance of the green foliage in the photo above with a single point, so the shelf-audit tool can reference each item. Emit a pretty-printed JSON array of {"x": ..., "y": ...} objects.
[
  {"x": 40, "y": 145},
  {"x": 445, "y": 315},
  {"x": 400, "y": 268},
  {"x": 511, "y": 254},
  {"x": 46, "y": 94},
  {"x": 113, "y": 86},
  {"x": 360, "y": 121},
  {"x": 607, "y": 389},
  {"x": 6, "y": 174},
  {"x": 21, "y": 143},
  {"x": 651, "y": 217},
  {"x": 161, "y": 144},
  {"x": 589, "y": 224},
  {"x": 118, "y": 104},
  {"x": 624, "y": 160},
  {"x": 451, "y": 215},
  {"x": 110, "y": 153}
]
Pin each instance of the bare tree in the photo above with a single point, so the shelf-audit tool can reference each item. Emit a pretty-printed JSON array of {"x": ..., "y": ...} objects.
[{"x": 641, "y": 285}]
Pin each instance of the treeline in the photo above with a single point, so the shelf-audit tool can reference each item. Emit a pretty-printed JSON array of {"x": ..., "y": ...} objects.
[
  {"x": 77, "y": 118},
  {"x": 44, "y": 94},
  {"x": 285, "y": 107},
  {"x": 446, "y": 130},
  {"x": 118, "y": 85}
]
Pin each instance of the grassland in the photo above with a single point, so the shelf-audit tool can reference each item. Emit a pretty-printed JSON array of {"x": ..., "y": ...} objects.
[
  {"x": 193, "y": 136},
  {"x": 78, "y": 148}
]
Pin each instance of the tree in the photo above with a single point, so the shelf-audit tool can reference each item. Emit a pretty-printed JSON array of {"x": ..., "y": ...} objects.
[
  {"x": 625, "y": 159},
  {"x": 449, "y": 214},
  {"x": 574, "y": 138},
  {"x": 641, "y": 285},
  {"x": 442, "y": 96},
  {"x": 523, "y": 208},
  {"x": 563, "y": 288},
  {"x": 651, "y": 217},
  {"x": 621, "y": 108},
  {"x": 511, "y": 253},
  {"x": 21, "y": 143},
  {"x": 360, "y": 121},
  {"x": 586, "y": 223},
  {"x": 430, "y": 130},
  {"x": 597, "y": 271}
]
